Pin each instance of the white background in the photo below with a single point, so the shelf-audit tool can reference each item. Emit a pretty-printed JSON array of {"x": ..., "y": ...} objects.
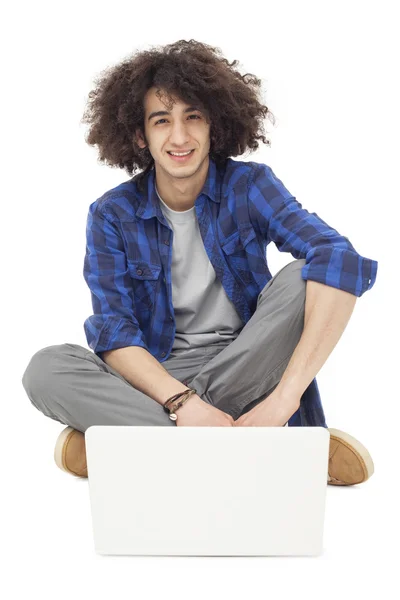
[{"x": 330, "y": 77}]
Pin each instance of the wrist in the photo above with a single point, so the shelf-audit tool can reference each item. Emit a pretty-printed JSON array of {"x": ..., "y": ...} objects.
[
  {"x": 176, "y": 402},
  {"x": 172, "y": 387},
  {"x": 286, "y": 396},
  {"x": 194, "y": 398}
]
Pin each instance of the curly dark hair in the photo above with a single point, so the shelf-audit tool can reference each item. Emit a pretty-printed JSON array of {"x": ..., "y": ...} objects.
[{"x": 189, "y": 70}]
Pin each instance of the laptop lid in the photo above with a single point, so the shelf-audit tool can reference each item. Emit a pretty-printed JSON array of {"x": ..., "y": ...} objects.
[{"x": 207, "y": 491}]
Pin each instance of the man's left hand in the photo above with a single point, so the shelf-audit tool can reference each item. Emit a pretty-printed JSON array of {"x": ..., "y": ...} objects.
[{"x": 274, "y": 411}]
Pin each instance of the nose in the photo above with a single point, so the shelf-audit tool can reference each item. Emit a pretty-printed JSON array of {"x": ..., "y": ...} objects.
[{"x": 179, "y": 135}]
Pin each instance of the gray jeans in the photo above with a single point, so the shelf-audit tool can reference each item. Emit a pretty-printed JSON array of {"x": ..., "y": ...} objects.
[{"x": 74, "y": 386}]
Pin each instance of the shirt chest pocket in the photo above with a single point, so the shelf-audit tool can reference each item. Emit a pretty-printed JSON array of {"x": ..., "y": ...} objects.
[
  {"x": 241, "y": 249},
  {"x": 145, "y": 279}
]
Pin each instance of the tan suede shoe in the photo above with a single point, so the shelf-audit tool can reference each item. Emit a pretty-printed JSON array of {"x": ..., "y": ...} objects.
[
  {"x": 70, "y": 452},
  {"x": 349, "y": 461}
]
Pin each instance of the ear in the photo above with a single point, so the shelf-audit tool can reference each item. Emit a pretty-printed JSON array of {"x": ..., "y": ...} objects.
[{"x": 139, "y": 139}]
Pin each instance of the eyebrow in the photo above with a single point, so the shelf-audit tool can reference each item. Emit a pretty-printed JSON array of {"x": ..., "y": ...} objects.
[{"x": 165, "y": 112}]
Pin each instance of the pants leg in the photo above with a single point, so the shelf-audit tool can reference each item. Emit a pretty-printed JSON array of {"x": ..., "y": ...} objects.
[
  {"x": 74, "y": 386},
  {"x": 251, "y": 366}
]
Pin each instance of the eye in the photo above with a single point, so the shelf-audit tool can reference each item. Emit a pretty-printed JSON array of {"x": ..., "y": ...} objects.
[{"x": 159, "y": 121}]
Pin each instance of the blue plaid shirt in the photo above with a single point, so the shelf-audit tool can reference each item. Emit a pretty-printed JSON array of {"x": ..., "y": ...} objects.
[{"x": 242, "y": 207}]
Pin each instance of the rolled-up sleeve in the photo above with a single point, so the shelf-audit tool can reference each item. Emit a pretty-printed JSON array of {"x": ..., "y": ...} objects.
[
  {"x": 330, "y": 257},
  {"x": 113, "y": 324}
]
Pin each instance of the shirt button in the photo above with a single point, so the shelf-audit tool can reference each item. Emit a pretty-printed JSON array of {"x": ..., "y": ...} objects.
[
  {"x": 162, "y": 353},
  {"x": 171, "y": 318},
  {"x": 166, "y": 242},
  {"x": 139, "y": 271},
  {"x": 164, "y": 280}
]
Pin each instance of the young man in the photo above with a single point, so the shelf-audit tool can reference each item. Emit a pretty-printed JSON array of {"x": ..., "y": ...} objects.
[{"x": 176, "y": 265}]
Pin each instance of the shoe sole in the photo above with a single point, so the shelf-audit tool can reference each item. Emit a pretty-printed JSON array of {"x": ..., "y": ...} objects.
[
  {"x": 60, "y": 449},
  {"x": 363, "y": 454}
]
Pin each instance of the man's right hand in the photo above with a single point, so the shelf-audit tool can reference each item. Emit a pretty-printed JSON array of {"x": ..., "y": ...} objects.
[{"x": 198, "y": 413}]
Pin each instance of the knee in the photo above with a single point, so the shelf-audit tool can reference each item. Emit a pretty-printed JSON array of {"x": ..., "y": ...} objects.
[
  {"x": 38, "y": 367},
  {"x": 292, "y": 279},
  {"x": 42, "y": 365},
  {"x": 297, "y": 266}
]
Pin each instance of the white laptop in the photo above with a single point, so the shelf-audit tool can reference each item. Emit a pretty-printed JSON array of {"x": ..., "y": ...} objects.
[{"x": 207, "y": 491}]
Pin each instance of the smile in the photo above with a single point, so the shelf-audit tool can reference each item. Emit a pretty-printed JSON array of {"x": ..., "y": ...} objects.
[{"x": 181, "y": 158}]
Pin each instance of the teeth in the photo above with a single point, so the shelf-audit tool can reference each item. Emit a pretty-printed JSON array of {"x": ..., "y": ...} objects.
[{"x": 181, "y": 154}]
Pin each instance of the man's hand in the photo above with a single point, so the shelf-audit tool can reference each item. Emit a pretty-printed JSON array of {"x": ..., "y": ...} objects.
[
  {"x": 274, "y": 411},
  {"x": 198, "y": 413}
]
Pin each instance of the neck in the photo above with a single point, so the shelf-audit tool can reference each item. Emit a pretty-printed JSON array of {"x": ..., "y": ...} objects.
[{"x": 180, "y": 193}]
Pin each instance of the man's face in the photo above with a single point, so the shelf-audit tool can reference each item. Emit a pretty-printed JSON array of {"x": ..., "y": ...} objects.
[{"x": 179, "y": 130}]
